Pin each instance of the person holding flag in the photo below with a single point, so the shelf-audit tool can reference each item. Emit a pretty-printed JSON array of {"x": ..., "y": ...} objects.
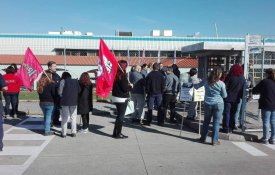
[{"x": 120, "y": 95}]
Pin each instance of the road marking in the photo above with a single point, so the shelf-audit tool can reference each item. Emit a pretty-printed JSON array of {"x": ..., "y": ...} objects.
[
  {"x": 249, "y": 149},
  {"x": 271, "y": 146},
  {"x": 30, "y": 127},
  {"x": 31, "y": 151}
]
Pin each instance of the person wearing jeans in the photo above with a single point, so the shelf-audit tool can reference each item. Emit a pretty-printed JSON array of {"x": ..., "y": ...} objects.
[
  {"x": 155, "y": 85},
  {"x": 46, "y": 92},
  {"x": 234, "y": 83},
  {"x": 214, "y": 93},
  {"x": 47, "y": 110},
  {"x": 11, "y": 94},
  {"x": 267, "y": 105},
  {"x": 216, "y": 111}
]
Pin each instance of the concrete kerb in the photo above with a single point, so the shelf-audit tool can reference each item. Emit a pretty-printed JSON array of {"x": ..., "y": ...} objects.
[{"x": 194, "y": 125}]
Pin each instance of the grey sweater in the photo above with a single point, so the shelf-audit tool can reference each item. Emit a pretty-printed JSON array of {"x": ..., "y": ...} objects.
[{"x": 172, "y": 85}]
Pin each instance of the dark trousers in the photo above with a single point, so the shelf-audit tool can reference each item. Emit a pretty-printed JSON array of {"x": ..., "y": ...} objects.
[
  {"x": 11, "y": 98},
  {"x": 121, "y": 108},
  {"x": 169, "y": 100},
  {"x": 151, "y": 101},
  {"x": 229, "y": 116},
  {"x": 85, "y": 121},
  {"x": 1, "y": 125}
]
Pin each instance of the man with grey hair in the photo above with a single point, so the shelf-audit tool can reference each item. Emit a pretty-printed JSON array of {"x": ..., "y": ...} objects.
[
  {"x": 172, "y": 88},
  {"x": 137, "y": 93}
]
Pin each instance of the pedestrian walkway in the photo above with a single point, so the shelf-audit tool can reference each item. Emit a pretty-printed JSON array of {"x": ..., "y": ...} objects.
[
  {"x": 23, "y": 143},
  {"x": 255, "y": 150}
]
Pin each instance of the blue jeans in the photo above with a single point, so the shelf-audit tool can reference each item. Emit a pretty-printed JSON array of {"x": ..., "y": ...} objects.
[
  {"x": 1, "y": 124},
  {"x": 268, "y": 118},
  {"x": 11, "y": 98},
  {"x": 151, "y": 101},
  {"x": 216, "y": 111},
  {"x": 229, "y": 116},
  {"x": 47, "y": 111},
  {"x": 237, "y": 116}
]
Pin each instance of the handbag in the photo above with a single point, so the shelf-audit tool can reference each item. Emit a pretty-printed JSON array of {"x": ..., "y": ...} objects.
[{"x": 130, "y": 107}]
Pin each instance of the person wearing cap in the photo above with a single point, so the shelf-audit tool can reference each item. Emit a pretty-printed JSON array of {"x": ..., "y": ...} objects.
[
  {"x": 266, "y": 89},
  {"x": 4, "y": 87},
  {"x": 193, "y": 79}
]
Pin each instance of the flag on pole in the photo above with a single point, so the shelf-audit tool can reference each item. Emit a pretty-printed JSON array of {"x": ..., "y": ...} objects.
[
  {"x": 175, "y": 57},
  {"x": 107, "y": 68},
  {"x": 29, "y": 69}
]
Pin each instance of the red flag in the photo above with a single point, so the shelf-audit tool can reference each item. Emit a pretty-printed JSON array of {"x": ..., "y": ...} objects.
[
  {"x": 107, "y": 68},
  {"x": 29, "y": 70}
]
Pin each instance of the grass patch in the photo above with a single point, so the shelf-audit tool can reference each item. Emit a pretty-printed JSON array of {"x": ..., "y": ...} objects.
[{"x": 26, "y": 95}]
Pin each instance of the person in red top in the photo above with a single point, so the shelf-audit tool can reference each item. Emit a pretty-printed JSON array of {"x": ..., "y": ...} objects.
[{"x": 13, "y": 83}]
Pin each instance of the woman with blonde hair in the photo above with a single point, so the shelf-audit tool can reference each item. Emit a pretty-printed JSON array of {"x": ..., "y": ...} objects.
[{"x": 46, "y": 92}]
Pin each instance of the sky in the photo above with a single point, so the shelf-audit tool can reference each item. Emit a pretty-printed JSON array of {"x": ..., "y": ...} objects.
[{"x": 233, "y": 18}]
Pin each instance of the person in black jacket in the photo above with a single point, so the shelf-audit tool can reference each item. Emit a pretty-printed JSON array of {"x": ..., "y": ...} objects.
[
  {"x": 56, "y": 79},
  {"x": 266, "y": 89},
  {"x": 2, "y": 87},
  {"x": 234, "y": 83},
  {"x": 120, "y": 95},
  {"x": 154, "y": 87},
  {"x": 46, "y": 92},
  {"x": 85, "y": 100},
  {"x": 68, "y": 91}
]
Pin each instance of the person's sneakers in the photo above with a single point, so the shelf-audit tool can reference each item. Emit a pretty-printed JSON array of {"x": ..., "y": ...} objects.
[
  {"x": 272, "y": 141},
  {"x": 217, "y": 143},
  {"x": 63, "y": 135},
  {"x": 84, "y": 131},
  {"x": 49, "y": 133},
  {"x": 73, "y": 134},
  {"x": 264, "y": 141}
]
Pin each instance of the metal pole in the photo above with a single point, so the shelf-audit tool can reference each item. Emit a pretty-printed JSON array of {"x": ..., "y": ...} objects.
[
  {"x": 65, "y": 58},
  {"x": 262, "y": 67},
  {"x": 200, "y": 120},
  {"x": 184, "y": 106}
]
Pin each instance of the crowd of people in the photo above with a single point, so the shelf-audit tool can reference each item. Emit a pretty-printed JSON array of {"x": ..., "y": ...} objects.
[{"x": 155, "y": 84}]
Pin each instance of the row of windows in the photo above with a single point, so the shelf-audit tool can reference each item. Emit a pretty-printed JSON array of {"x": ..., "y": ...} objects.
[{"x": 71, "y": 52}]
